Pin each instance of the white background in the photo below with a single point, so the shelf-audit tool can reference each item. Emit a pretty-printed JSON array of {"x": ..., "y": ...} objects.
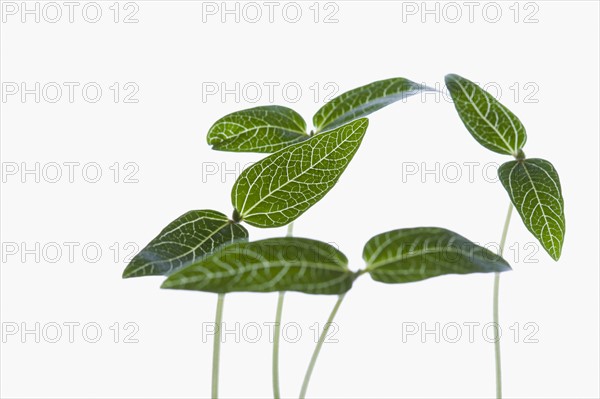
[{"x": 171, "y": 54}]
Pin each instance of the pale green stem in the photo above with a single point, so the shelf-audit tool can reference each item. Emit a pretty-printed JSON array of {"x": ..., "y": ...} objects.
[
  {"x": 276, "y": 334},
  {"x": 315, "y": 355},
  {"x": 496, "y": 318},
  {"x": 277, "y": 331},
  {"x": 217, "y": 346}
]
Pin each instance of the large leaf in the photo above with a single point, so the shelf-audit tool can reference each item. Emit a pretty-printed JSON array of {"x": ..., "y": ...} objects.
[
  {"x": 188, "y": 238},
  {"x": 534, "y": 188},
  {"x": 274, "y": 264},
  {"x": 406, "y": 255},
  {"x": 276, "y": 190},
  {"x": 261, "y": 129},
  {"x": 363, "y": 101},
  {"x": 490, "y": 123}
]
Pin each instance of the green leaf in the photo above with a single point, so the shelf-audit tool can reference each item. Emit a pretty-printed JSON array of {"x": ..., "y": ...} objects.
[
  {"x": 276, "y": 190},
  {"x": 406, "y": 255},
  {"x": 488, "y": 121},
  {"x": 363, "y": 101},
  {"x": 261, "y": 129},
  {"x": 187, "y": 238},
  {"x": 534, "y": 188},
  {"x": 274, "y": 264}
]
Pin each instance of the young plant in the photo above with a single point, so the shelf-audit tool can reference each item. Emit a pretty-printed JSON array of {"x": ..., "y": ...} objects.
[
  {"x": 205, "y": 251},
  {"x": 532, "y": 184}
]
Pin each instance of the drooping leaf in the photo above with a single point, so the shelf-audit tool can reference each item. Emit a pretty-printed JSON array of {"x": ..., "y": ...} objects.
[
  {"x": 414, "y": 254},
  {"x": 260, "y": 129},
  {"x": 276, "y": 190},
  {"x": 274, "y": 264},
  {"x": 189, "y": 237},
  {"x": 363, "y": 101},
  {"x": 488, "y": 121},
  {"x": 534, "y": 188}
]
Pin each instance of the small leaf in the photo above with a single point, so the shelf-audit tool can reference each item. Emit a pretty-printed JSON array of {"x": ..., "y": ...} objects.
[
  {"x": 534, "y": 188},
  {"x": 406, "y": 255},
  {"x": 274, "y": 264},
  {"x": 363, "y": 101},
  {"x": 488, "y": 121},
  {"x": 187, "y": 238},
  {"x": 276, "y": 190},
  {"x": 261, "y": 129}
]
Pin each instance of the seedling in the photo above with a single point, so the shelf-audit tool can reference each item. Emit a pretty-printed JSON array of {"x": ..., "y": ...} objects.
[
  {"x": 532, "y": 184},
  {"x": 205, "y": 251}
]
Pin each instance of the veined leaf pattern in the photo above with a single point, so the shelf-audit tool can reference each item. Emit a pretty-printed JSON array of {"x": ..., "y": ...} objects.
[
  {"x": 188, "y": 238},
  {"x": 274, "y": 264},
  {"x": 276, "y": 190},
  {"x": 488, "y": 121},
  {"x": 261, "y": 129},
  {"x": 534, "y": 188},
  {"x": 414, "y": 254},
  {"x": 364, "y": 100}
]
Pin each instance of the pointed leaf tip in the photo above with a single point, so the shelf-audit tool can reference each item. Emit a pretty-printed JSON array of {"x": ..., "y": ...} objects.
[
  {"x": 415, "y": 254},
  {"x": 278, "y": 189},
  {"x": 492, "y": 124},
  {"x": 534, "y": 188},
  {"x": 188, "y": 238}
]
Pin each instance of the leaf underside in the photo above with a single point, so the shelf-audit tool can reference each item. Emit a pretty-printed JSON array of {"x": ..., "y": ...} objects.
[
  {"x": 261, "y": 129},
  {"x": 414, "y": 254},
  {"x": 188, "y": 238},
  {"x": 534, "y": 189},
  {"x": 274, "y": 264},
  {"x": 276, "y": 190},
  {"x": 492, "y": 124},
  {"x": 364, "y": 100}
]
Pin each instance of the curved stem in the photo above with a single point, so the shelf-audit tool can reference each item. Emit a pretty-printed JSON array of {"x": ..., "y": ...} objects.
[
  {"x": 276, "y": 334},
  {"x": 496, "y": 318},
  {"x": 277, "y": 331},
  {"x": 315, "y": 354},
  {"x": 217, "y": 346}
]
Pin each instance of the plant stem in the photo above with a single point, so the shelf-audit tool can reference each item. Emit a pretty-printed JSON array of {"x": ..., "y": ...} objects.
[
  {"x": 315, "y": 354},
  {"x": 217, "y": 346},
  {"x": 496, "y": 318},
  {"x": 277, "y": 331},
  {"x": 276, "y": 334}
]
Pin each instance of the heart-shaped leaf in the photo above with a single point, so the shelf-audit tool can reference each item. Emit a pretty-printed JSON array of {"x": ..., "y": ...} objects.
[
  {"x": 363, "y": 101},
  {"x": 274, "y": 264},
  {"x": 488, "y": 121},
  {"x": 276, "y": 190},
  {"x": 534, "y": 188},
  {"x": 261, "y": 129},
  {"x": 406, "y": 255},
  {"x": 188, "y": 238}
]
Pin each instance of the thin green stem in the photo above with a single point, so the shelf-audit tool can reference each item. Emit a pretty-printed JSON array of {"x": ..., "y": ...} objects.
[
  {"x": 315, "y": 355},
  {"x": 277, "y": 331},
  {"x": 217, "y": 346},
  {"x": 276, "y": 334},
  {"x": 496, "y": 318}
]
